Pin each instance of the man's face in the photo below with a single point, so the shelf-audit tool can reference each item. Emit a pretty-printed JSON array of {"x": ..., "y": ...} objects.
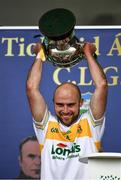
[
  {"x": 30, "y": 160},
  {"x": 67, "y": 104}
]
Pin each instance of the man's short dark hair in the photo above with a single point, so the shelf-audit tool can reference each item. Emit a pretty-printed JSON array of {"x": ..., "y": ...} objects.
[{"x": 29, "y": 138}]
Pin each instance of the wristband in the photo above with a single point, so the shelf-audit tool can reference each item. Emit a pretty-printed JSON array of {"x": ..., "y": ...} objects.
[{"x": 41, "y": 55}]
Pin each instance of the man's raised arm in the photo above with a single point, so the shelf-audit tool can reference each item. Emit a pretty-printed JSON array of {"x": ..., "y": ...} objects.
[
  {"x": 99, "y": 98},
  {"x": 36, "y": 100}
]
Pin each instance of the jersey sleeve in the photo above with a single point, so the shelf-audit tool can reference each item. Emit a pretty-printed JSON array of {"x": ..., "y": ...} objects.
[
  {"x": 43, "y": 123},
  {"x": 97, "y": 128},
  {"x": 40, "y": 128}
]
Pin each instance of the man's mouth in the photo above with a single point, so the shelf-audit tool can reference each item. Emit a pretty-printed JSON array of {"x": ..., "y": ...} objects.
[
  {"x": 66, "y": 117},
  {"x": 37, "y": 171}
]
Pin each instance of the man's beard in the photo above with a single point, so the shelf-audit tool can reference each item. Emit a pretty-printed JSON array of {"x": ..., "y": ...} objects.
[{"x": 73, "y": 120}]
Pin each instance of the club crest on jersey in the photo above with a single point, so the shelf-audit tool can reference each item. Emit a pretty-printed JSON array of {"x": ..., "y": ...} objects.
[{"x": 79, "y": 130}]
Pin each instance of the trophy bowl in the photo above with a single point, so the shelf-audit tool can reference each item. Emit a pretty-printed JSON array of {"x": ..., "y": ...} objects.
[{"x": 62, "y": 47}]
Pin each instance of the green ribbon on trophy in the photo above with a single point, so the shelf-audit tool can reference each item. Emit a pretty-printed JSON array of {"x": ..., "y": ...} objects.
[{"x": 62, "y": 47}]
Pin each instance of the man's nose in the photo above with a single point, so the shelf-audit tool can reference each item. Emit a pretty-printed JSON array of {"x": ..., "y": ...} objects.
[
  {"x": 65, "y": 109},
  {"x": 37, "y": 160}
]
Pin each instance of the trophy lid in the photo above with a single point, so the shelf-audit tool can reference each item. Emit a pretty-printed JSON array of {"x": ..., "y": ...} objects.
[{"x": 57, "y": 24}]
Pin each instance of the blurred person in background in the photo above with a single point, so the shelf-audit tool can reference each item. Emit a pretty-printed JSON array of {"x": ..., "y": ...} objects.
[{"x": 29, "y": 159}]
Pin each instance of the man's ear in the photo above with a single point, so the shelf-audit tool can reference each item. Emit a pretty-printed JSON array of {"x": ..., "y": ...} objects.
[{"x": 81, "y": 102}]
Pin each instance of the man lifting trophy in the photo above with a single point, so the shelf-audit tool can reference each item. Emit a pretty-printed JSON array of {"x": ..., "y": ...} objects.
[
  {"x": 61, "y": 46},
  {"x": 77, "y": 126}
]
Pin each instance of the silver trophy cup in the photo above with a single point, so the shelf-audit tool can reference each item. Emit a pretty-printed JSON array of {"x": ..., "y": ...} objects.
[{"x": 62, "y": 47}]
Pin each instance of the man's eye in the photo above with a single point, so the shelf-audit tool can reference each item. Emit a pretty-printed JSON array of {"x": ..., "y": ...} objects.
[
  {"x": 70, "y": 105},
  {"x": 32, "y": 156},
  {"x": 59, "y": 105}
]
